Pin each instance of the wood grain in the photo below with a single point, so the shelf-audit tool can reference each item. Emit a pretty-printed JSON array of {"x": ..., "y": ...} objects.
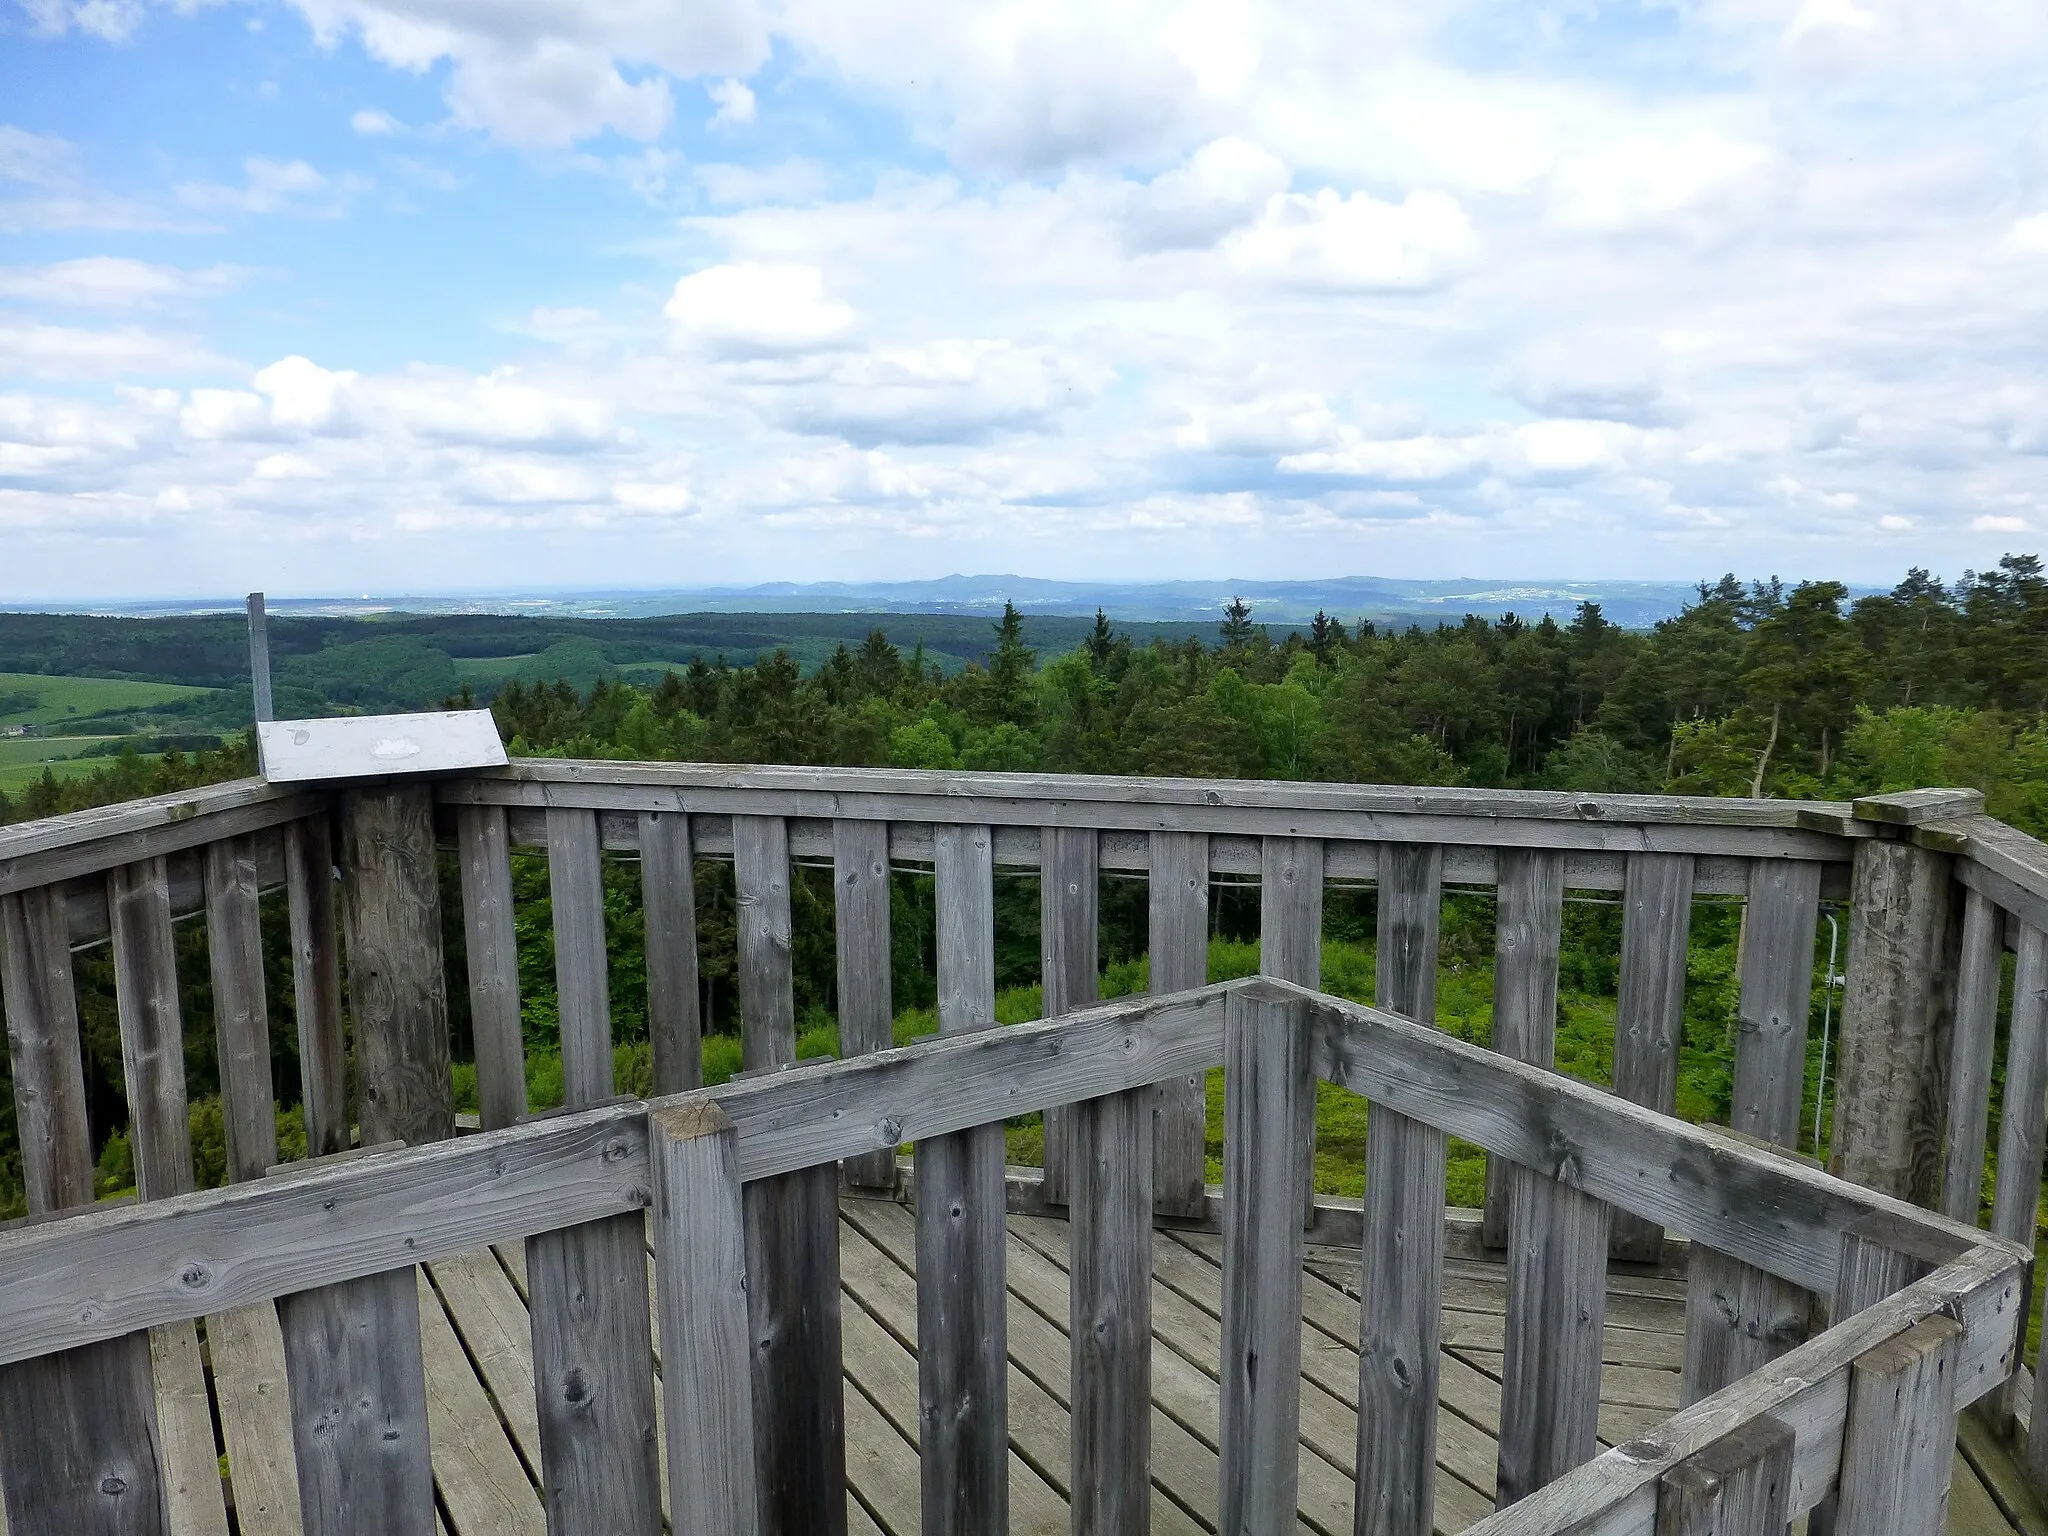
[
  {"x": 1738, "y": 1319},
  {"x": 793, "y": 1304},
  {"x": 1898, "y": 1444},
  {"x": 1068, "y": 928},
  {"x": 1528, "y": 932},
  {"x": 1774, "y": 999},
  {"x": 241, "y": 1014},
  {"x": 668, "y": 893},
  {"x": 860, "y": 912},
  {"x": 1978, "y": 963},
  {"x": 767, "y": 1004},
  {"x": 582, "y": 979},
  {"x": 1649, "y": 1010},
  {"x": 1177, "y": 927},
  {"x": 79, "y": 1450},
  {"x": 1110, "y": 1314},
  {"x": 152, "y": 1028},
  {"x": 316, "y": 983},
  {"x": 43, "y": 1052},
  {"x": 1738, "y": 1486},
  {"x": 492, "y": 942}
]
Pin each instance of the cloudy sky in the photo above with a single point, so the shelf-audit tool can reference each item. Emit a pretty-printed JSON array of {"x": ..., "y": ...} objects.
[{"x": 380, "y": 295}]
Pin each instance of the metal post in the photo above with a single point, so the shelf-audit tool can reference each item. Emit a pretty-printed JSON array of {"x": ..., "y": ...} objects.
[{"x": 259, "y": 659}]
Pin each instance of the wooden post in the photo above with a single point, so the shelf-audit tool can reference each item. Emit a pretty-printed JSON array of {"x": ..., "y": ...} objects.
[
  {"x": 1898, "y": 1442},
  {"x": 1738, "y": 1319},
  {"x": 1177, "y": 892},
  {"x": 152, "y": 1031},
  {"x": 42, "y": 1045},
  {"x": 1976, "y": 1041},
  {"x": 2016, "y": 1199},
  {"x": 668, "y": 897},
  {"x": 1291, "y": 909},
  {"x": 398, "y": 990},
  {"x": 316, "y": 983},
  {"x": 359, "y": 1406},
  {"x": 1649, "y": 1012},
  {"x": 1400, "y": 1325},
  {"x": 962, "y": 1317},
  {"x": 1528, "y": 932},
  {"x": 1269, "y": 1098},
  {"x": 259, "y": 660},
  {"x": 1741, "y": 1485},
  {"x": 1068, "y": 923},
  {"x": 860, "y": 921},
  {"x": 1557, "y": 1307},
  {"x": 582, "y": 983},
  {"x": 700, "y": 1265},
  {"x": 1895, "y": 1021},
  {"x": 760, "y": 855},
  {"x": 493, "y": 945},
  {"x": 241, "y": 1014},
  {"x": 1110, "y": 1314},
  {"x": 1776, "y": 995},
  {"x": 1410, "y": 916}
]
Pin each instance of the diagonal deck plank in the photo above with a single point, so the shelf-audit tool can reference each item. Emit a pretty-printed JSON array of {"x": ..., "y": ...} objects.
[
  {"x": 482, "y": 1483},
  {"x": 246, "y": 1349},
  {"x": 198, "y": 1505}
]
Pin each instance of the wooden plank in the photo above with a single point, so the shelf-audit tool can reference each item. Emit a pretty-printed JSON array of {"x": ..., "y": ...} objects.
[
  {"x": 1978, "y": 964},
  {"x": 1912, "y": 807},
  {"x": 477, "y": 1471},
  {"x": 152, "y": 1029},
  {"x": 59, "y": 848},
  {"x": 397, "y": 983},
  {"x": 961, "y": 1310},
  {"x": 43, "y": 1052},
  {"x": 1891, "y": 1086},
  {"x": 593, "y": 1368},
  {"x": 316, "y": 983},
  {"x": 493, "y": 953},
  {"x": 767, "y": 1004},
  {"x": 1649, "y": 1011},
  {"x": 1898, "y": 1443},
  {"x": 792, "y": 1252},
  {"x": 1528, "y": 931},
  {"x": 1269, "y": 1123},
  {"x": 247, "y": 1352},
  {"x": 1291, "y": 910},
  {"x": 79, "y": 1449},
  {"x": 1738, "y": 1486},
  {"x": 669, "y": 899},
  {"x": 1177, "y": 899},
  {"x": 1110, "y": 1321},
  {"x": 2022, "y": 1136},
  {"x": 1399, "y": 1356},
  {"x": 1737, "y": 1319},
  {"x": 241, "y": 1018},
  {"x": 1557, "y": 1301},
  {"x": 701, "y": 1266},
  {"x": 576, "y": 887},
  {"x": 1776, "y": 988},
  {"x": 497, "y": 1334},
  {"x": 1069, "y": 920},
  {"x": 359, "y": 1406},
  {"x": 1410, "y": 916},
  {"x": 860, "y": 918},
  {"x": 191, "y": 1459}
]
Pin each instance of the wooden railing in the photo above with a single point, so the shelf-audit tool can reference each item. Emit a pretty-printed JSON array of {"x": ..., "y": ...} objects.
[
  {"x": 1929, "y": 1313},
  {"x": 1934, "y": 893}
]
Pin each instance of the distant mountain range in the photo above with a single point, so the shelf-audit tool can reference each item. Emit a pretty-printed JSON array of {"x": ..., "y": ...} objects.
[{"x": 1633, "y": 604}]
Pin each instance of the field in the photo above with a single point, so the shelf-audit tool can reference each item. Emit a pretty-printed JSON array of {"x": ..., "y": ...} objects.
[
  {"x": 22, "y": 761},
  {"x": 52, "y": 699}
]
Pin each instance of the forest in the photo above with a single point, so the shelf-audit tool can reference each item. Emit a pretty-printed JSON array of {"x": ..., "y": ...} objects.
[{"x": 1761, "y": 689}]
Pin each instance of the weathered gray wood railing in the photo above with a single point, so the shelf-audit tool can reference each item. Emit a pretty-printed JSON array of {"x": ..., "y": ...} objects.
[
  {"x": 1928, "y": 1313},
  {"x": 1935, "y": 893}
]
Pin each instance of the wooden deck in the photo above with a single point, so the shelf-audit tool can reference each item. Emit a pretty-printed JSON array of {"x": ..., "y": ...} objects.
[{"x": 478, "y": 1355}]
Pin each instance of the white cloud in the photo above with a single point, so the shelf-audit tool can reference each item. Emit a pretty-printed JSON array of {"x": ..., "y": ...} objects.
[
  {"x": 1329, "y": 240},
  {"x": 1221, "y": 187},
  {"x": 276, "y": 186},
  {"x": 111, "y": 282},
  {"x": 2029, "y": 236},
  {"x": 735, "y": 103},
  {"x": 33, "y": 350},
  {"x": 372, "y": 123},
  {"x": 111, "y": 21},
  {"x": 1994, "y": 524},
  {"x": 757, "y": 306}
]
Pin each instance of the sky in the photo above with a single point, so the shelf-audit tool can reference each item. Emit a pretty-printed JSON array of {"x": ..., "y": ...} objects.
[{"x": 405, "y": 295}]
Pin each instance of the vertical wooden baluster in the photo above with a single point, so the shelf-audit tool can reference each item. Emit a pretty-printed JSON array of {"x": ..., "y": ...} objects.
[
  {"x": 2017, "y": 1195},
  {"x": 1776, "y": 994},
  {"x": 582, "y": 983},
  {"x": 1738, "y": 1319},
  {"x": 1976, "y": 1042},
  {"x": 1178, "y": 927},
  {"x": 668, "y": 896},
  {"x": 860, "y": 920},
  {"x": 1400, "y": 1316},
  {"x": 153, "y": 1062},
  {"x": 962, "y": 1319},
  {"x": 1068, "y": 923},
  {"x": 397, "y": 979},
  {"x": 1557, "y": 1306},
  {"x": 1291, "y": 937},
  {"x": 1649, "y": 1026},
  {"x": 1269, "y": 1092},
  {"x": 700, "y": 1267},
  {"x": 316, "y": 983},
  {"x": 79, "y": 1447},
  {"x": 485, "y": 848},
  {"x": 1898, "y": 1442},
  {"x": 1528, "y": 931},
  {"x": 241, "y": 1017},
  {"x": 1741, "y": 1485},
  {"x": 792, "y": 1240}
]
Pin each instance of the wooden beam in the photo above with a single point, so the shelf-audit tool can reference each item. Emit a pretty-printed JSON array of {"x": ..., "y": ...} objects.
[
  {"x": 1528, "y": 932},
  {"x": 1068, "y": 924},
  {"x": 152, "y": 1030},
  {"x": 316, "y": 982},
  {"x": 668, "y": 898},
  {"x": 582, "y": 981},
  {"x": 1177, "y": 900},
  {"x": 1649, "y": 1008},
  {"x": 1776, "y": 990},
  {"x": 397, "y": 983},
  {"x": 860, "y": 918},
  {"x": 493, "y": 949},
  {"x": 1269, "y": 1123},
  {"x": 59, "y": 848}
]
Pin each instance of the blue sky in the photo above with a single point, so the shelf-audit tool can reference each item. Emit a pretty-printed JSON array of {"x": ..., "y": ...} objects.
[{"x": 384, "y": 294}]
